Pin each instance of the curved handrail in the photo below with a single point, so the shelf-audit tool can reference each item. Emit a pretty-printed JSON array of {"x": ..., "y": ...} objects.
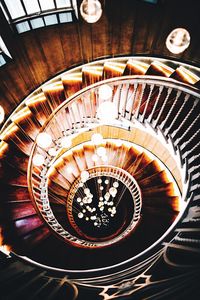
[
  {"x": 123, "y": 59},
  {"x": 131, "y": 80},
  {"x": 142, "y": 80}
]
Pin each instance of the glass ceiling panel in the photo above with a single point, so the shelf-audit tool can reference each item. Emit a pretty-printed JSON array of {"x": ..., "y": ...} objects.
[
  {"x": 22, "y": 27},
  {"x": 15, "y": 8},
  {"x": 3, "y": 47},
  {"x": 45, "y": 5},
  {"x": 25, "y": 15},
  {"x": 51, "y": 20},
  {"x": 32, "y": 6},
  {"x": 37, "y": 23},
  {"x": 63, "y": 3}
]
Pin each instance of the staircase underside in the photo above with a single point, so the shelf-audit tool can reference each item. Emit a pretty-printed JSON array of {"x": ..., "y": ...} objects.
[{"x": 154, "y": 139}]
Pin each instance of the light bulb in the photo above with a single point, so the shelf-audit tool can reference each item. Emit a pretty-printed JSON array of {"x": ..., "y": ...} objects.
[
  {"x": 101, "y": 151},
  {"x": 86, "y": 191},
  {"x": 107, "y": 111},
  {"x": 38, "y": 160},
  {"x": 95, "y": 157},
  {"x": 80, "y": 215},
  {"x": 97, "y": 138},
  {"x": 69, "y": 170},
  {"x": 104, "y": 158},
  {"x": 113, "y": 191},
  {"x": 66, "y": 142},
  {"x": 43, "y": 140},
  {"x": 105, "y": 92},
  {"x": 115, "y": 184},
  {"x": 91, "y": 10},
  {"x": 52, "y": 152},
  {"x": 84, "y": 176},
  {"x": 178, "y": 40}
]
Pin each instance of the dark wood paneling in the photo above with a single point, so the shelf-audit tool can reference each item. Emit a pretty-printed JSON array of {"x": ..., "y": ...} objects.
[{"x": 126, "y": 27}]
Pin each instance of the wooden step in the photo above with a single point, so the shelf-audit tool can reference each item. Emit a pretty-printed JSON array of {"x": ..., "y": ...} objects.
[
  {"x": 91, "y": 75},
  {"x": 88, "y": 152},
  {"x": 58, "y": 178},
  {"x": 79, "y": 158},
  {"x": 68, "y": 168},
  {"x": 154, "y": 180},
  {"x": 27, "y": 224},
  {"x": 36, "y": 236},
  {"x": 57, "y": 200},
  {"x": 165, "y": 203},
  {"x": 13, "y": 135},
  {"x": 158, "y": 68},
  {"x": 72, "y": 83},
  {"x": 140, "y": 162},
  {"x": 147, "y": 170},
  {"x": 184, "y": 75},
  {"x": 21, "y": 209},
  {"x": 54, "y": 188},
  {"x": 113, "y": 69},
  {"x": 27, "y": 122},
  {"x": 39, "y": 106},
  {"x": 161, "y": 190},
  {"x": 132, "y": 155},
  {"x": 55, "y": 94},
  {"x": 16, "y": 193},
  {"x": 135, "y": 67}
]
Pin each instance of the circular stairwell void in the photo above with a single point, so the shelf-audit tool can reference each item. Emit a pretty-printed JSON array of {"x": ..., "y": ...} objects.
[
  {"x": 65, "y": 180},
  {"x": 105, "y": 207},
  {"x": 154, "y": 137}
]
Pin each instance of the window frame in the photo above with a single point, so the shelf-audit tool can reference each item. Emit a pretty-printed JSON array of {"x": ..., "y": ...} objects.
[
  {"x": 42, "y": 14},
  {"x": 4, "y": 52}
]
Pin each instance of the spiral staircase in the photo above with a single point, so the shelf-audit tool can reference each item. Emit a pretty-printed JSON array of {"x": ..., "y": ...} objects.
[{"x": 53, "y": 247}]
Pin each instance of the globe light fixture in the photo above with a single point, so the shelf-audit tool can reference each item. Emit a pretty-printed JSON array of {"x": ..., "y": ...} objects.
[
  {"x": 101, "y": 151},
  {"x": 69, "y": 170},
  {"x": 105, "y": 92},
  {"x": 107, "y": 111},
  {"x": 178, "y": 40},
  {"x": 84, "y": 176},
  {"x": 104, "y": 158},
  {"x": 66, "y": 142},
  {"x": 97, "y": 138},
  {"x": 38, "y": 160},
  {"x": 95, "y": 157},
  {"x": 91, "y": 10},
  {"x": 52, "y": 152},
  {"x": 43, "y": 140}
]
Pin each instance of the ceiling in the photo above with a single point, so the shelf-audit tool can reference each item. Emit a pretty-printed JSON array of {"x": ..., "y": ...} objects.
[{"x": 126, "y": 27}]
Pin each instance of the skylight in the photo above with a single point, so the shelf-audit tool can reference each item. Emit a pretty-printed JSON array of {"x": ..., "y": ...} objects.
[
  {"x": 4, "y": 53},
  {"x": 25, "y": 15}
]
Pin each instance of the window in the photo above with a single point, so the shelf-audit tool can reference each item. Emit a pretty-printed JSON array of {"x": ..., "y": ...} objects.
[
  {"x": 62, "y": 3},
  {"x": 15, "y": 8},
  {"x": 51, "y": 20},
  {"x": 22, "y": 27},
  {"x": 65, "y": 17},
  {"x": 25, "y": 15},
  {"x": 4, "y": 53},
  {"x": 32, "y": 6},
  {"x": 45, "y": 5},
  {"x": 2, "y": 60}
]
